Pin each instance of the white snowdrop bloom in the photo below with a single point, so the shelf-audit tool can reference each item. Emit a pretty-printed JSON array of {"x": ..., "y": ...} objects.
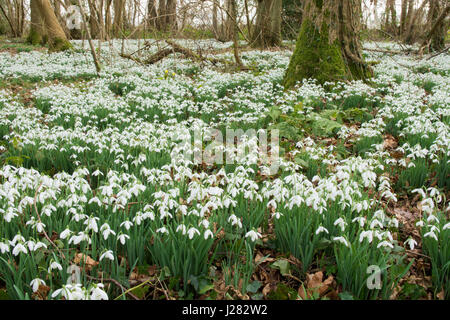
[
  {"x": 385, "y": 244},
  {"x": 35, "y": 283},
  {"x": 411, "y": 243},
  {"x": 66, "y": 233},
  {"x": 192, "y": 231},
  {"x": 434, "y": 229},
  {"x": 321, "y": 229},
  {"x": 39, "y": 245},
  {"x": 277, "y": 215},
  {"x": 420, "y": 191},
  {"x": 393, "y": 222},
  {"x": 95, "y": 200},
  {"x": 341, "y": 240},
  {"x": 366, "y": 234},
  {"x": 341, "y": 223},
  {"x": 19, "y": 247},
  {"x": 107, "y": 255},
  {"x": 420, "y": 223},
  {"x": 235, "y": 221},
  {"x": 17, "y": 238},
  {"x": 4, "y": 247},
  {"x": 430, "y": 234},
  {"x": 253, "y": 235},
  {"x": 123, "y": 238},
  {"x": 432, "y": 218},
  {"x": 126, "y": 224},
  {"x": 447, "y": 226},
  {"x": 97, "y": 293},
  {"x": 205, "y": 223},
  {"x": 97, "y": 172},
  {"x": 208, "y": 233},
  {"x": 376, "y": 223},
  {"x": 360, "y": 220},
  {"x": 162, "y": 230},
  {"x": 181, "y": 228},
  {"x": 54, "y": 265}
]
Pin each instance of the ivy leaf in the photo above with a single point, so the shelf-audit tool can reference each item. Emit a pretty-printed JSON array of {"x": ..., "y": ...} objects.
[
  {"x": 283, "y": 266},
  {"x": 254, "y": 286}
]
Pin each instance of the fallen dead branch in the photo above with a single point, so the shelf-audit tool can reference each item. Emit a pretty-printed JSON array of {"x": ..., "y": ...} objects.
[{"x": 176, "y": 48}]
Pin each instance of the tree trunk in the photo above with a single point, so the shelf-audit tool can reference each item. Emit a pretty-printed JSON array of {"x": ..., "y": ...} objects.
[
  {"x": 403, "y": 16},
  {"x": 412, "y": 30},
  {"x": 171, "y": 12},
  {"x": 93, "y": 19},
  {"x": 57, "y": 39},
  {"x": 267, "y": 32},
  {"x": 229, "y": 23},
  {"x": 162, "y": 15},
  {"x": 151, "y": 14},
  {"x": 235, "y": 34},
  {"x": 438, "y": 30},
  {"x": 119, "y": 6},
  {"x": 36, "y": 34},
  {"x": 214, "y": 19},
  {"x": 328, "y": 47}
]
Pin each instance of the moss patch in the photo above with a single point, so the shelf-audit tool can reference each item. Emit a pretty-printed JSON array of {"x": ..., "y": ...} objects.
[{"x": 314, "y": 57}]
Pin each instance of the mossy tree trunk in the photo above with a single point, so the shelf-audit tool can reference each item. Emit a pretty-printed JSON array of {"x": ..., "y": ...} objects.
[
  {"x": 439, "y": 10},
  {"x": 267, "y": 32},
  {"x": 328, "y": 46},
  {"x": 36, "y": 35},
  {"x": 57, "y": 39}
]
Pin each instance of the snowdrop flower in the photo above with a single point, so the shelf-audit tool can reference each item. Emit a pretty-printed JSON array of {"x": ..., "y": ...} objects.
[
  {"x": 321, "y": 229},
  {"x": 35, "y": 283},
  {"x": 253, "y": 235},
  {"x": 341, "y": 223},
  {"x": 411, "y": 242},
  {"x": 127, "y": 224},
  {"x": 375, "y": 223},
  {"x": 447, "y": 226},
  {"x": 208, "y": 233},
  {"x": 366, "y": 234},
  {"x": 192, "y": 231},
  {"x": 432, "y": 218},
  {"x": 205, "y": 223},
  {"x": 122, "y": 238},
  {"x": 108, "y": 255},
  {"x": 92, "y": 224},
  {"x": 393, "y": 222},
  {"x": 420, "y": 223},
  {"x": 360, "y": 220},
  {"x": 162, "y": 230},
  {"x": 4, "y": 247},
  {"x": 431, "y": 234},
  {"x": 234, "y": 220},
  {"x": 385, "y": 244},
  {"x": 63, "y": 235},
  {"x": 277, "y": 215},
  {"x": 181, "y": 227},
  {"x": 97, "y": 293},
  {"x": 17, "y": 238},
  {"x": 54, "y": 265},
  {"x": 341, "y": 240},
  {"x": 97, "y": 172},
  {"x": 18, "y": 249},
  {"x": 106, "y": 231}
]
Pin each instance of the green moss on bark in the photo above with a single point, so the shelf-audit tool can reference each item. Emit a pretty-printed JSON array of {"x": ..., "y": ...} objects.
[
  {"x": 59, "y": 44},
  {"x": 34, "y": 38},
  {"x": 314, "y": 57}
]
